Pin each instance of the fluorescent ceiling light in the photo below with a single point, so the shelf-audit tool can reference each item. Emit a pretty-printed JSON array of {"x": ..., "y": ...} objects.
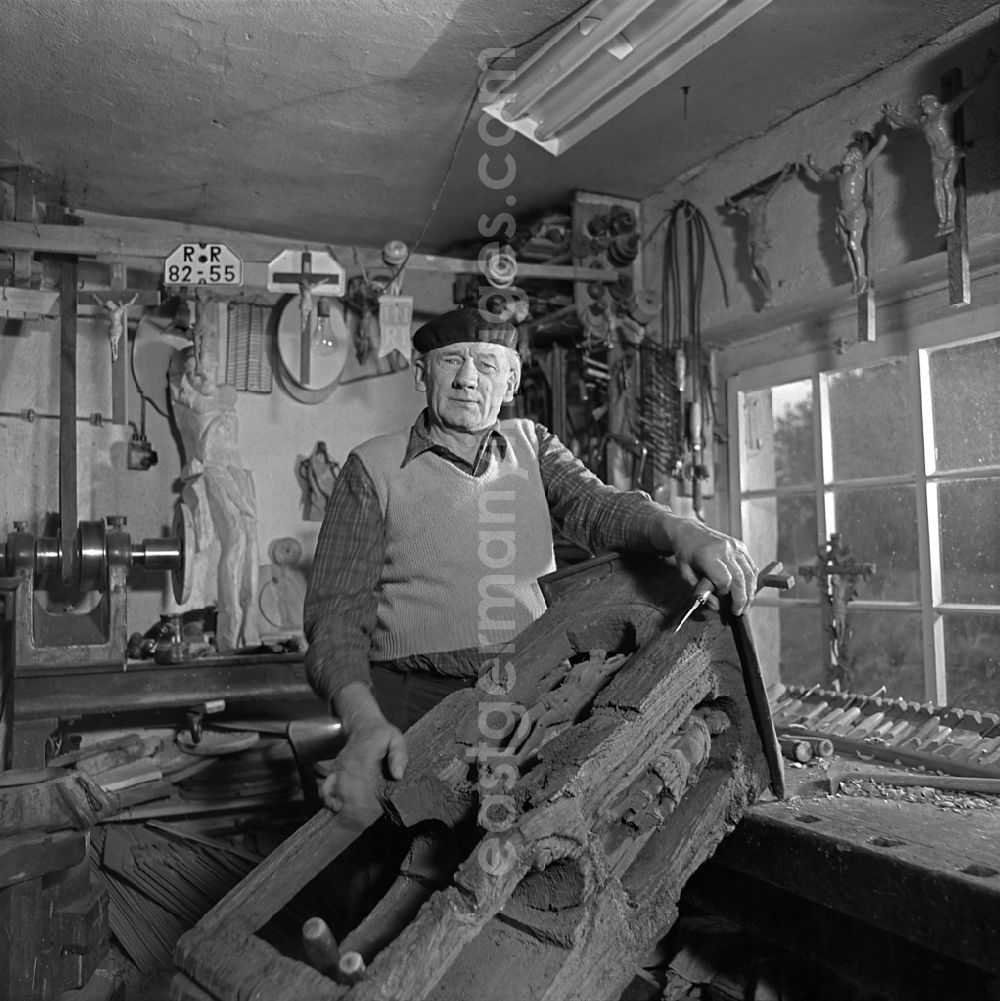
[{"x": 609, "y": 55}]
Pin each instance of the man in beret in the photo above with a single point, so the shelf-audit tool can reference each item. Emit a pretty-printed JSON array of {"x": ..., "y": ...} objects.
[{"x": 434, "y": 539}]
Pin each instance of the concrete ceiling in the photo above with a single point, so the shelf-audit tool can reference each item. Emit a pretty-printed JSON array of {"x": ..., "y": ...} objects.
[{"x": 343, "y": 121}]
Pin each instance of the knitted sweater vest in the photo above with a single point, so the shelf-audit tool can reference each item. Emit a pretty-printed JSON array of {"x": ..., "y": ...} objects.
[{"x": 463, "y": 552}]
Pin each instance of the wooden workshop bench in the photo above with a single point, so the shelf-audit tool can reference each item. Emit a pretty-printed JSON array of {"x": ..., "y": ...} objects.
[{"x": 903, "y": 896}]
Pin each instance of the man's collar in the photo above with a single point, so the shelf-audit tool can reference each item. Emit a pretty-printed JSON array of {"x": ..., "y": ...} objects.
[{"x": 421, "y": 441}]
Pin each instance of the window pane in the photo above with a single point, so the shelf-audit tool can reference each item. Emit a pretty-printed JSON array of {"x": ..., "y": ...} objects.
[
  {"x": 972, "y": 661},
  {"x": 794, "y": 449},
  {"x": 871, "y": 421},
  {"x": 885, "y": 648},
  {"x": 882, "y": 648},
  {"x": 880, "y": 527},
  {"x": 966, "y": 404},
  {"x": 777, "y": 447},
  {"x": 970, "y": 540},
  {"x": 794, "y": 518},
  {"x": 802, "y": 645}
]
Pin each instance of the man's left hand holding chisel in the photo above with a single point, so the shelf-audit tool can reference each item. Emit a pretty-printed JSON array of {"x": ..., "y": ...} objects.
[
  {"x": 772, "y": 575},
  {"x": 720, "y": 564}
]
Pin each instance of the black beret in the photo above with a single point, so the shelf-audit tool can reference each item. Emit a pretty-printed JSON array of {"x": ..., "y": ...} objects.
[{"x": 463, "y": 325}]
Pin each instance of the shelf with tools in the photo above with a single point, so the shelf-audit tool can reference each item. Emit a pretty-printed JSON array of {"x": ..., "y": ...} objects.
[{"x": 581, "y": 336}]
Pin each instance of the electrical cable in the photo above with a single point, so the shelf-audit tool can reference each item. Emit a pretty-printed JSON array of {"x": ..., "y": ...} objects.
[
  {"x": 682, "y": 309},
  {"x": 509, "y": 50}
]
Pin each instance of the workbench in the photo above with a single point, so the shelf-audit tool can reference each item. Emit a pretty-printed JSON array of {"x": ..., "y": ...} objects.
[{"x": 900, "y": 896}]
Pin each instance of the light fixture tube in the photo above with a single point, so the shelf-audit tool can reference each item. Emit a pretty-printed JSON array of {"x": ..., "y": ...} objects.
[{"x": 611, "y": 54}]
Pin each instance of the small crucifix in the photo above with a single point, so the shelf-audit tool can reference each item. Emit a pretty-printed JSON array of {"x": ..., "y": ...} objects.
[
  {"x": 854, "y": 212},
  {"x": 753, "y": 203},
  {"x": 115, "y": 301},
  {"x": 117, "y": 319},
  {"x": 940, "y": 120},
  {"x": 838, "y": 576},
  {"x": 308, "y": 281}
]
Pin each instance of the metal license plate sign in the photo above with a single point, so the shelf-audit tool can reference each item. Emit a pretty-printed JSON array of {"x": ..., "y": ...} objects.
[{"x": 203, "y": 264}]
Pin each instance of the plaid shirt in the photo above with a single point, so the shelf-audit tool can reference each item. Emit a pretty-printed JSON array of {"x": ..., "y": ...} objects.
[{"x": 341, "y": 602}]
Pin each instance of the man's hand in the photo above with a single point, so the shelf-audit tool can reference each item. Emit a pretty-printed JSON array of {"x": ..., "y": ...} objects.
[
  {"x": 701, "y": 551},
  {"x": 370, "y": 755},
  {"x": 375, "y": 750}
]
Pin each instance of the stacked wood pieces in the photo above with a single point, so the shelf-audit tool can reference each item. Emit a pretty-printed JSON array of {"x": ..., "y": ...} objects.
[
  {"x": 53, "y": 920},
  {"x": 160, "y": 882},
  {"x": 50, "y": 799},
  {"x": 632, "y": 751},
  {"x": 146, "y": 776},
  {"x": 124, "y": 766},
  {"x": 938, "y": 738}
]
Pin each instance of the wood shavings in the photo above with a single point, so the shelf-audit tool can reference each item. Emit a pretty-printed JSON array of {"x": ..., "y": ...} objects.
[{"x": 942, "y": 799}]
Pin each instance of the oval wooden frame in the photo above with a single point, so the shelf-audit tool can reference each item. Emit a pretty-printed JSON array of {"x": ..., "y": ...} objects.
[{"x": 288, "y": 382}]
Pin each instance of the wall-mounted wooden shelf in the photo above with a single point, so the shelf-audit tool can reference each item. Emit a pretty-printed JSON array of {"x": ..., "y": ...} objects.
[{"x": 909, "y": 294}]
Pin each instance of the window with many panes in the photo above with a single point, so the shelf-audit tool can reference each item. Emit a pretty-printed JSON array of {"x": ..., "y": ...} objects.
[{"x": 901, "y": 457}]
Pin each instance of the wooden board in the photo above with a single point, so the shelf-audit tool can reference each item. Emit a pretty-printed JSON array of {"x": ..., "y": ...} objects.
[
  {"x": 53, "y": 926},
  {"x": 35, "y": 854},
  {"x": 58, "y": 800}
]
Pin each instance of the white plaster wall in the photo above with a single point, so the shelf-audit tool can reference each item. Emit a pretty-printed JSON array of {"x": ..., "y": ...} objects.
[
  {"x": 275, "y": 430},
  {"x": 29, "y": 451}
]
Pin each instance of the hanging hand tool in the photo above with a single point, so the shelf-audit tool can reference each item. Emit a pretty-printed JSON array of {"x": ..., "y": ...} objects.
[
  {"x": 687, "y": 238},
  {"x": 773, "y": 575}
]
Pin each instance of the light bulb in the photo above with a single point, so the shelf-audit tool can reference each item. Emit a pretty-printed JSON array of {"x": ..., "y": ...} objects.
[{"x": 324, "y": 340}]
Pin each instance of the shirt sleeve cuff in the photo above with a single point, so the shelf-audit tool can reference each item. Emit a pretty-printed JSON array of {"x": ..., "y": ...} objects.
[{"x": 328, "y": 680}]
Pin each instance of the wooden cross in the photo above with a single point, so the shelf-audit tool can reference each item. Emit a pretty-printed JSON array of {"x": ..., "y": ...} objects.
[
  {"x": 837, "y": 576},
  {"x": 307, "y": 280},
  {"x": 942, "y": 124},
  {"x": 959, "y": 280},
  {"x": 753, "y": 202},
  {"x": 866, "y": 298}
]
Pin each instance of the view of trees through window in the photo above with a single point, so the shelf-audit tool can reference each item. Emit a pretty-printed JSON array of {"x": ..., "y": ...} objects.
[{"x": 873, "y": 495}]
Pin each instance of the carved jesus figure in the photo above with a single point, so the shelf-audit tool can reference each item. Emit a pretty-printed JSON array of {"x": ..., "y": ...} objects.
[
  {"x": 935, "y": 120},
  {"x": 754, "y": 204},
  {"x": 851, "y": 175},
  {"x": 217, "y": 488},
  {"x": 118, "y": 320}
]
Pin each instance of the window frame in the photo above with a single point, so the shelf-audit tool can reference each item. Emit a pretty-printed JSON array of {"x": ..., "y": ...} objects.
[{"x": 917, "y": 345}]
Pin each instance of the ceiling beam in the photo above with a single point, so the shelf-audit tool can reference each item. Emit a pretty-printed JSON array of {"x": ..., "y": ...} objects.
[{"x": 120, "y": 237}]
